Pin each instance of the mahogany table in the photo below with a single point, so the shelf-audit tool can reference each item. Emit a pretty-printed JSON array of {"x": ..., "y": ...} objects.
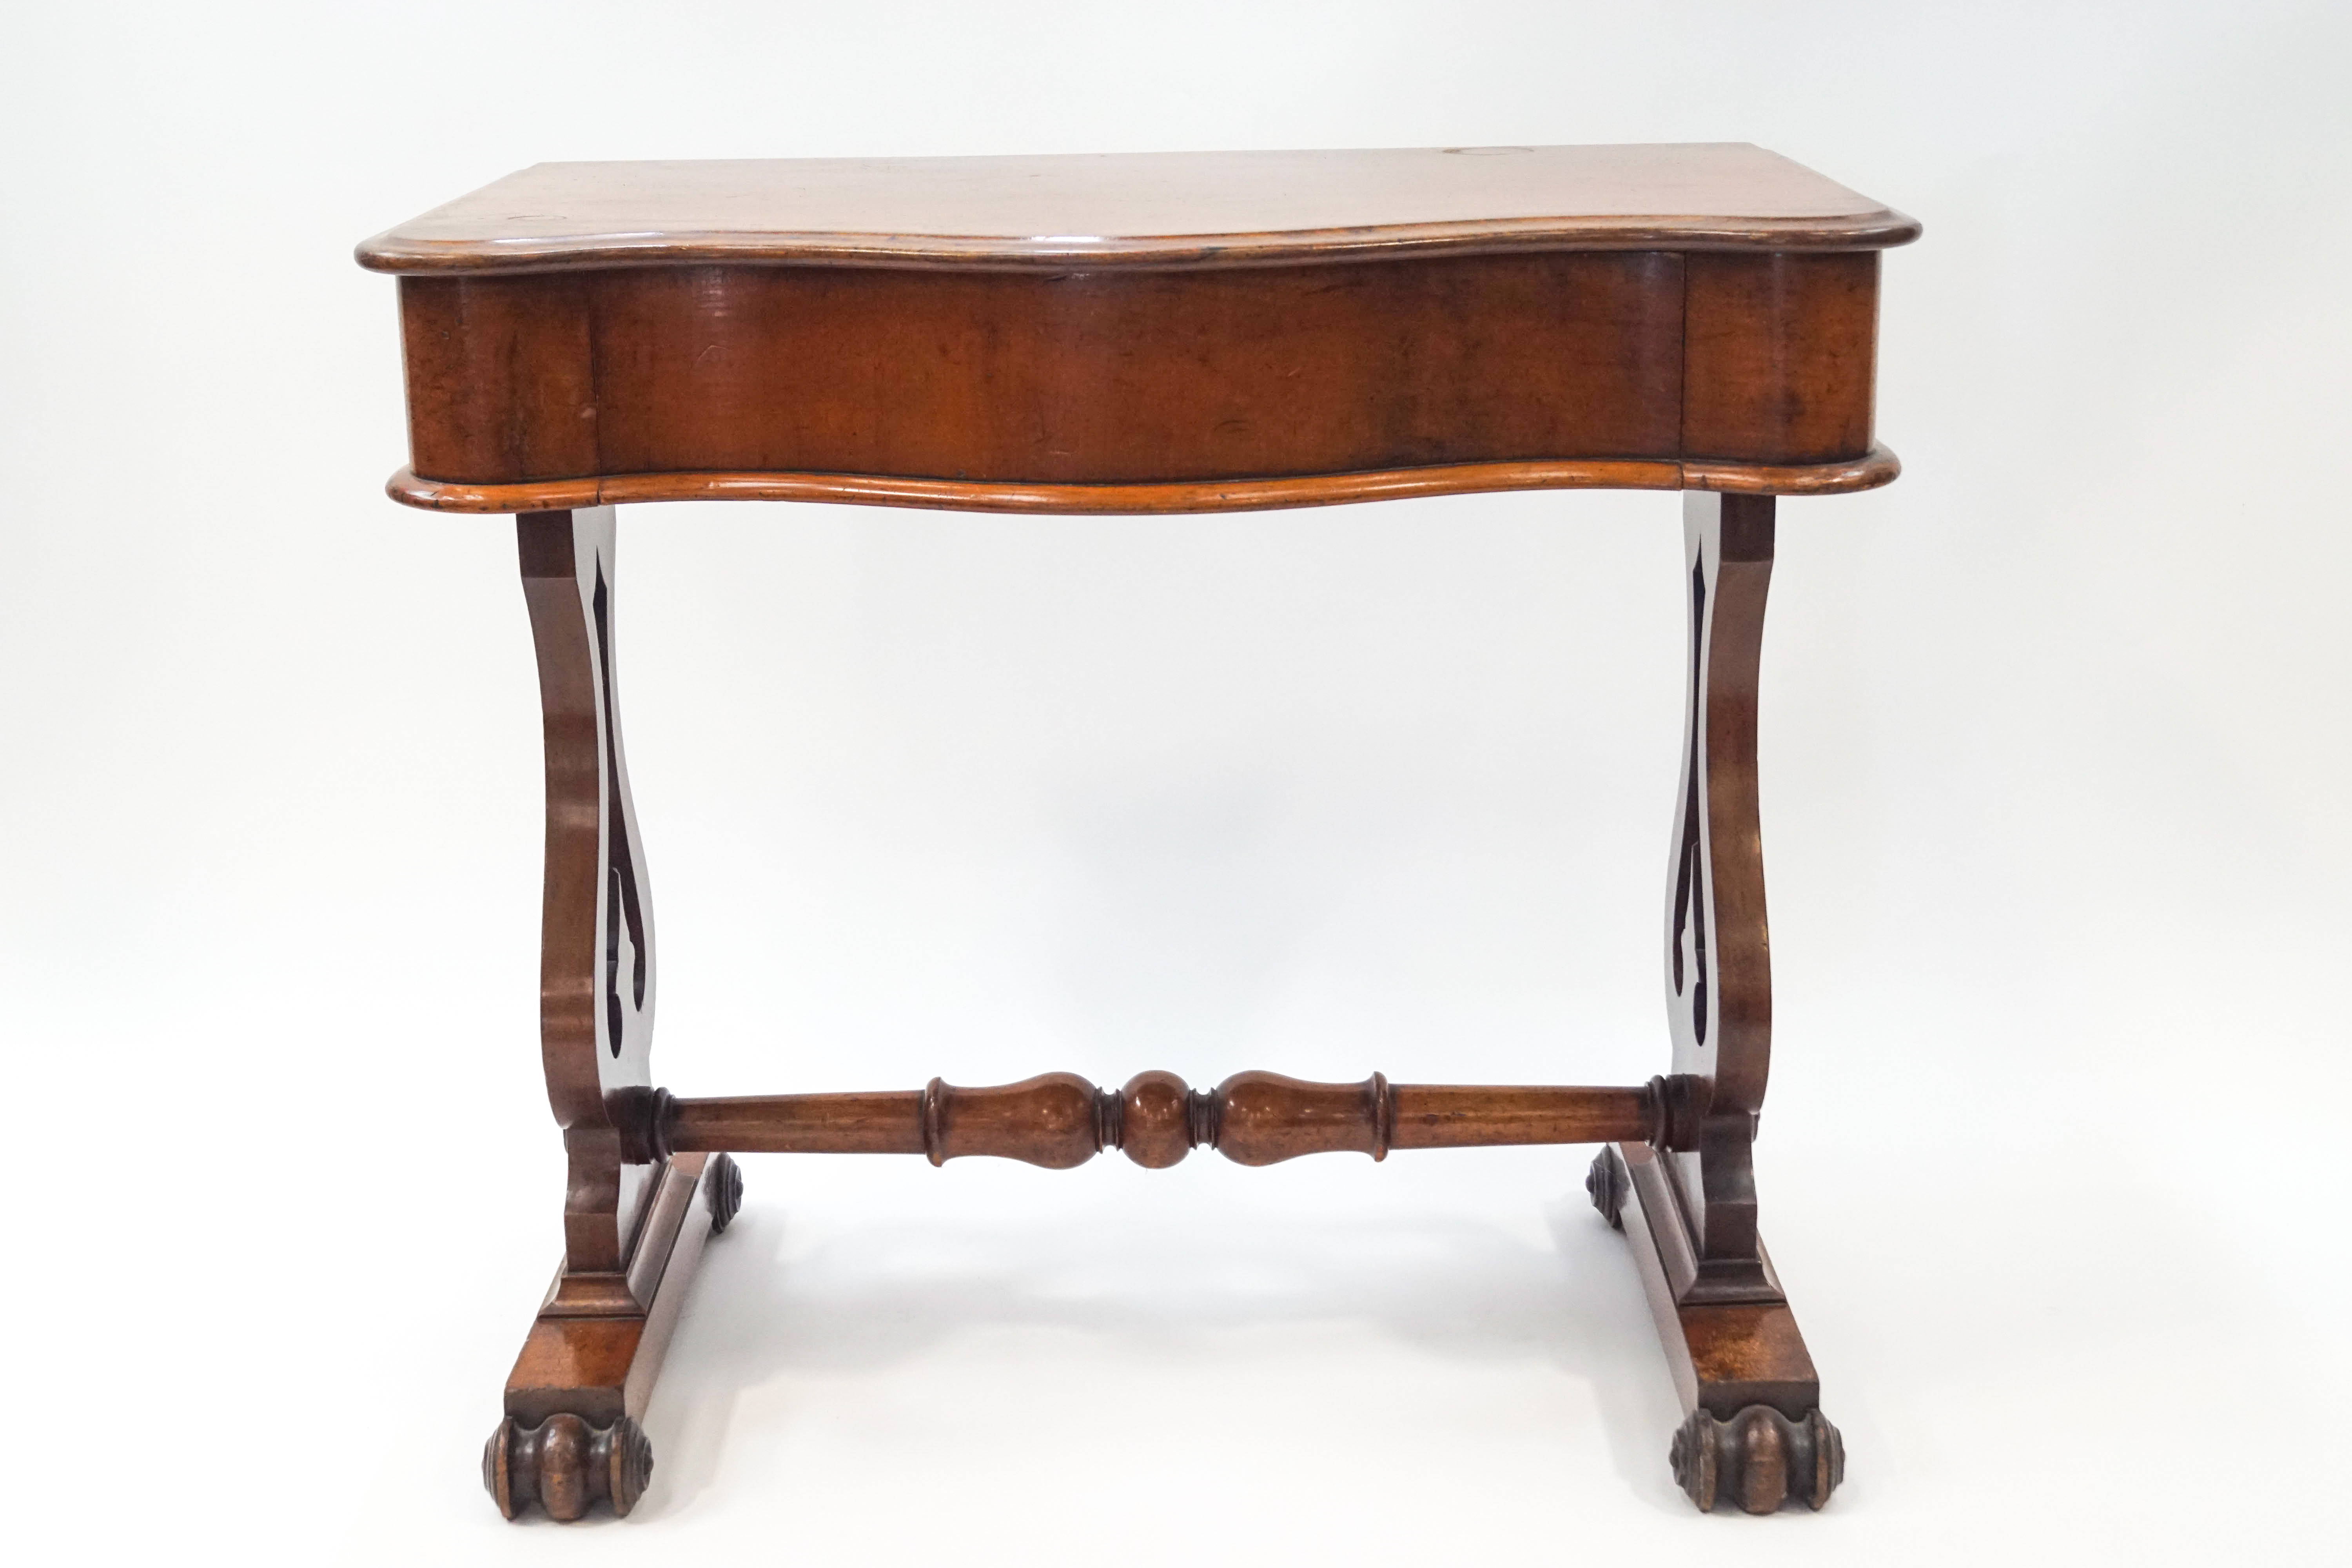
[{"x": 1162, "y": 333}]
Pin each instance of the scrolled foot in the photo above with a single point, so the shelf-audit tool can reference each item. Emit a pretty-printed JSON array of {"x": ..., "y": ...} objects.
[
  {"x": 566, "y": 1466},
  {"x": 1760, "y": 1459},
  {"x": 1607, "y": 1182},
  {"x": 724, "y": 1183}
]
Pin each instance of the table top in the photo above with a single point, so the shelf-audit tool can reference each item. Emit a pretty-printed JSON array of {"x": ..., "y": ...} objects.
[{"x": 1154, "y": 210}]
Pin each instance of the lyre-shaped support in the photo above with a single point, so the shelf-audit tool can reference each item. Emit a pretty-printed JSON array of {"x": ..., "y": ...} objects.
[
  {"x": 633, "y": 1220},
  {"x": 597, "y": 968},
  {"x": 1737, "y": 1359},
  {"x": 1718, "y": 952}
]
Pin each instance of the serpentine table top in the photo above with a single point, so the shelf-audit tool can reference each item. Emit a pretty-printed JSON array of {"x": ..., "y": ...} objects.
[{"x": 1141, "y": 332}]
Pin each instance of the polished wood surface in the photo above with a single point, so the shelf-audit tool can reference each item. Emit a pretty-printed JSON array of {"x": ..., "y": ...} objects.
[
  {"x": 888, "y": 1123},
  {"x": 567, "y": 1467},
  {"x": 1471, "y": 1116},
  {"x": 634, "y": 1226},
  {"x": 1156, "y": 1124},
  {"x": 984, "y": 382},
  {"x": 1753, "y": 1433},
  {"x": 1122, "y": 378},
  {"x": 1654, "y": 318},
  {"x": 1146, "y": 334},
  {"x": 1718, "y": 950},
  {"x": 1060, "y": 1119},
  {"x": 1878, "y": 466},
  {"x": 595, "y": 983},
  {"x": 570, "y": 1436},
  {"x": 1780, "y": 357},
  {"x": 1154, "y": 209}
]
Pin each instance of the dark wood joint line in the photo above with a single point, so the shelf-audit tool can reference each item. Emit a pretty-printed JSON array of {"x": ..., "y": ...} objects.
[
  {"x": 1202, "y": 1107},
  {"x": 644, "y": 1118},
  {"x": 1678, "y": 1103},
  {"x": 935, "y": 1096}
]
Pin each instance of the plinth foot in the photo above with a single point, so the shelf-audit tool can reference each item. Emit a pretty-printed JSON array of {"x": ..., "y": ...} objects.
[
  {"x": 571, "y": 1439},
  {"x": 1753, "y": 1433}
]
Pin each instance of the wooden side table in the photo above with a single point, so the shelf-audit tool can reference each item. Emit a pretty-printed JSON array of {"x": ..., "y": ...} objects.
[{"x": 1163, "y": 333}]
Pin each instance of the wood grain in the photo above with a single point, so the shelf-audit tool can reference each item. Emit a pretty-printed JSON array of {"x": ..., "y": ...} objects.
[
  {"x": 1059, "y": 1120},
  {"x": 1407, "y": 322},
  {"x": 1758, "y": 1458},
  {"x": 597, "y": 937},
  {"x": 1050, "y": 379},
  {"x": 1725, "y": 1355},
  {"x": 567, "y": 1467},
  {"x": 1719, "y": 958},
  {"x": 1753, "y": 1433},
  {"x": 601, "y": 1366},
  {"x": 890, "y": 1122},
  {"x": 1156, "y": 210},
  {"x": 1879, "y": 466},
  {"x": 1157, "y": 334},
  {"x": 570, "y": 1436},
  {"x": 1780, "y": 356},
  {"x": 1462, "y": 1116},
  {"x": 1155, "y": 1119}
]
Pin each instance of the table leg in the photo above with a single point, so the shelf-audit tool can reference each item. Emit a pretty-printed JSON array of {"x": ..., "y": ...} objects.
[
  {"x": 1754, "y": 1433},
  {"x": 634, "y": 1221}
]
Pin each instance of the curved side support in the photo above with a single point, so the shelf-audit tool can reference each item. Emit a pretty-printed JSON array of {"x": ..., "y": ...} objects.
[
  {"x": 597, "y": 960},
  {"x": 1878, "y": 466},
  {"x": 1718, "y": 950}
]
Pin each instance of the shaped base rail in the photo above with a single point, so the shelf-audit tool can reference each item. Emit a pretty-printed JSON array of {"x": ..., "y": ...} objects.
[{"x": 1059, "y": 1120}]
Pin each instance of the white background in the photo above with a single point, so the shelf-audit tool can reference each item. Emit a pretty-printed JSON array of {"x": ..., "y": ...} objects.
[{"x": 2054, "y": 752}]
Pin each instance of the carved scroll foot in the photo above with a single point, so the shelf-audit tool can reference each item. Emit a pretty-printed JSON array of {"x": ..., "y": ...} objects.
[
  {"x": 722, "y": 1188},
  {"x": 570, "y": 1437},
  {"x": 1606, "y": 1182},
  {"x": 1760, "y": 1459},
  {"x": 567, "y": 1467},
  {"x": 1753, "y": 1432}
]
